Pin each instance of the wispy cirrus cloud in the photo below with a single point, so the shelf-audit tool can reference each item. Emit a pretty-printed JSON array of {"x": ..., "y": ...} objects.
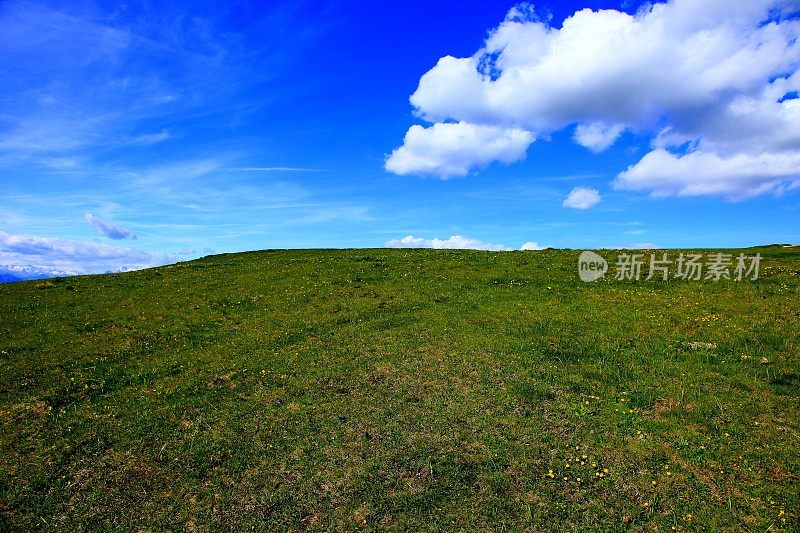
[
  {"x": 147, "y": 139},
  {"x": 110, "y": 230},
  {"x": 114, "y": 72},
  {"x": 272, "y": 169}
]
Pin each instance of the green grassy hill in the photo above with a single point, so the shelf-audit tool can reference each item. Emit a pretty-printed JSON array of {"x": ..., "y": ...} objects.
[{"x": 400, "y": 389}]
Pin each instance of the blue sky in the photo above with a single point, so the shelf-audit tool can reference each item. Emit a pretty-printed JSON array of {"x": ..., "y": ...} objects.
[{"x": 139, "y": 133}]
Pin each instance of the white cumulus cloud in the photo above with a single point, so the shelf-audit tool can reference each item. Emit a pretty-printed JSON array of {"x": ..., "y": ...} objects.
[
  {"x": 697, "y": 173},
  {"x": 711, "y": 80},
  {"x": 452, "y": 149},
  {"x": 582, "y": 198},
  {"x": 597, "y": 136}
]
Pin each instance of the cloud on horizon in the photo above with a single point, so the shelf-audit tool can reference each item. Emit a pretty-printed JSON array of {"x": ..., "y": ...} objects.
[
  {"x": 530, "y": 245},
  {"x": 66, "y": 256},
  {"x": 713, "y": 84},
  {"x": 455, "y": 242},
  {"x": 112, "y": 231}
]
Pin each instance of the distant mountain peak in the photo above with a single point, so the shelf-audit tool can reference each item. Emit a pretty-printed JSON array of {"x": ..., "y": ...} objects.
[{"x": 17, "y": 272}]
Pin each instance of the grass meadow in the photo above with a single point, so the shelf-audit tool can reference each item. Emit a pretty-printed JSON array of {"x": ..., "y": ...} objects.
[{"x": 407, "y": 390}]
